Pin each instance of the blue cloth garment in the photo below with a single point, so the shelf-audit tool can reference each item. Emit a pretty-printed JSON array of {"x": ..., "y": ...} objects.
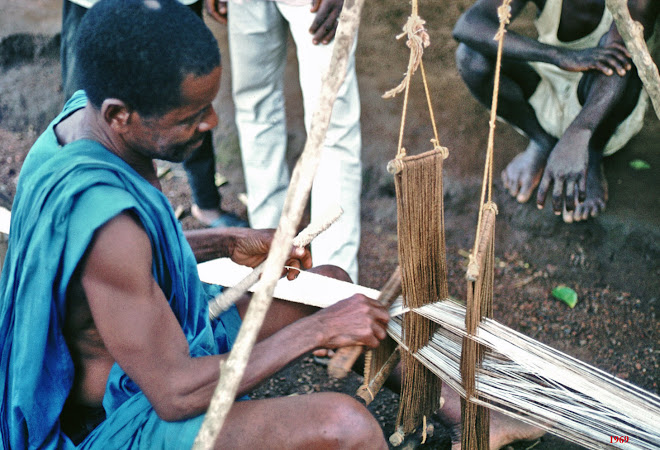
[{"x": 64, "y": 195}]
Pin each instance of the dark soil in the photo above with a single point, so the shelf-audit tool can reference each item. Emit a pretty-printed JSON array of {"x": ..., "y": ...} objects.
[{"x": 610, "y": 261}]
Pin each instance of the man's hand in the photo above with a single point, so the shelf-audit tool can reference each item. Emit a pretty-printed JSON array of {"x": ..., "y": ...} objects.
[
  {"x": 324, "y": 25},
  {"x": 567, "y": 170},
  {"x": 358, "y": 320},
  {"x": 608, "y": 60},
  {"x": 252, "y": 248},
  {"x": 217, "y": 9}
]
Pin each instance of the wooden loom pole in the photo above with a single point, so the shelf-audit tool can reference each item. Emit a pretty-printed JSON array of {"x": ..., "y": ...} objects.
[
  {"x": 368, "y": 391},
  {"x": 632, "y": 33},
  {"x": 231, "y": 370}
]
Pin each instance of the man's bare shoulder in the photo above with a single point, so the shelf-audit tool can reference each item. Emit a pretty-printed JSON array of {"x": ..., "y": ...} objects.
[{"x": 119, "y": 258}]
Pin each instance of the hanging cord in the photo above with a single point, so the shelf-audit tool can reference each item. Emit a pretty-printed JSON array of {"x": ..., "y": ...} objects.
[
  {"x": 436, "y": 140},
  {"x": 418, "y": 39},
  {"x": 504, "y": 15}
]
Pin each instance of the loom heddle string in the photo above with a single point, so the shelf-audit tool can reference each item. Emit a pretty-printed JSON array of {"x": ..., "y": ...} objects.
[
  {"x": 480, "y": 276},
  {"x": 424, "y": 279},
  {"x": 421, "y": 245},
  {"x": 537, "y": 384}
]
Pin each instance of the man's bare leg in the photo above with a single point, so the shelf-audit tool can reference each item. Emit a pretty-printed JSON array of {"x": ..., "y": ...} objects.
[
  {"x": 323, "y": 420},
  {"x": 503, "y": 429},
  {"x": 517, "y": 83}
]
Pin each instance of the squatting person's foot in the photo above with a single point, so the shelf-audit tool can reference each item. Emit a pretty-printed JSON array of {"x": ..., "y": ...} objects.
[{"x": 523, "y": 173}]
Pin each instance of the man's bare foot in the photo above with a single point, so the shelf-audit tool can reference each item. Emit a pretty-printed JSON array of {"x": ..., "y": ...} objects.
[
  {"x": 215, "y": 218},
  {"x": 597, "y": 194},
  {"x": 523, "y": 173},
  {"x": 503, "y": 429}
]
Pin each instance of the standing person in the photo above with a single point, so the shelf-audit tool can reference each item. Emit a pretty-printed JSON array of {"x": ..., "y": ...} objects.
[
  {"x": 200, "y": 166},
  {"x": 573, "y": 92},
  {"x": 258, "y": 47}
]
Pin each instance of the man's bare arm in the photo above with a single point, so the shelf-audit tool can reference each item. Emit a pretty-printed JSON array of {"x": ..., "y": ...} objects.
[
  {"x": 245, "y": 246},
  {"x": 477, "y": 27},
  {"x": 143, "y": 336}
]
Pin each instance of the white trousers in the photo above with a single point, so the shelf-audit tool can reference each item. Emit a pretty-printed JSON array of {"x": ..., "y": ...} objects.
[{"x": 258, "y": 47}]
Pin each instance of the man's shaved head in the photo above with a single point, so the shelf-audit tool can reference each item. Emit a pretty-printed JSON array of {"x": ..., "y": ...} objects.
[{"x": 139, "y": 51}]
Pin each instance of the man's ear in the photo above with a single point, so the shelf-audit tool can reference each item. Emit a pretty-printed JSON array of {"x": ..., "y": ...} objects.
[{"x": 116, "y": 114}]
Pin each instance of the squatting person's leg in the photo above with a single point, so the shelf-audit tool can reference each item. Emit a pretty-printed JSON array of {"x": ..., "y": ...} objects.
[{"x": 518, "y": 81}]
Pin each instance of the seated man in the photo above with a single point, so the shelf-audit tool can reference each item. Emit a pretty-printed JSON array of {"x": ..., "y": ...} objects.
[
  {"x": 573, "y": 92},
  {"x": 106, "y": 341},
  {"x": 104, "y": 322}
]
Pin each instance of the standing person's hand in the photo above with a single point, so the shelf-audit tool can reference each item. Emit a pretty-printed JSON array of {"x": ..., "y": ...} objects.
[
  {"x": 324, "y": 25},
  {"x": 217, "y": 9}
]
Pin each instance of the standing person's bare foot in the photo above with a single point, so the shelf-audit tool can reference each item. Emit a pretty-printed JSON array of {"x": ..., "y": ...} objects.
[
  {"x": 597, "y": 193},
  {"x": 524, "y": 172},
  {"x": 215, "y": 218}
]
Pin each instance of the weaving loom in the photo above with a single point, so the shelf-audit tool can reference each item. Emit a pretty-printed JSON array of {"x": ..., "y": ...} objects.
[{"x": 491, "y": 366}]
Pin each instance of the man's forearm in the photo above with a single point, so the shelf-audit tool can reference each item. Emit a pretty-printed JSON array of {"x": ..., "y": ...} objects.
[
  {"x": 212, "y": 243},
  {"x": 196, "y": 382},
  {"x": 605, "y": 94}
]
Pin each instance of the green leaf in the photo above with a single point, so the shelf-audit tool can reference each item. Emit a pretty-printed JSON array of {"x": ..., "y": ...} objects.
[
  {"x": 566, "y": 295},
  {"x": 639, "y": 164}
]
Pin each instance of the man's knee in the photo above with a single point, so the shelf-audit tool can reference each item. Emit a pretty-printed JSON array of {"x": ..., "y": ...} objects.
[
  {"x": 328, "y": 270},
  {"x": 349, "y": 423},
  {"x": 473, "y": 66}
]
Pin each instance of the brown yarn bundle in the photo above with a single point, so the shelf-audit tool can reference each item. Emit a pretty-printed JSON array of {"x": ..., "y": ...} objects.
[
  {"x": 424, "y": 274},
  {"x": 480, "y": 276}
]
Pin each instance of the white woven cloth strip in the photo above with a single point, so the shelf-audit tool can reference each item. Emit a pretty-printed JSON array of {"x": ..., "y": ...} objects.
[
  {"x": 308, "y": 288},
  {"x": 5, "y": 218}
]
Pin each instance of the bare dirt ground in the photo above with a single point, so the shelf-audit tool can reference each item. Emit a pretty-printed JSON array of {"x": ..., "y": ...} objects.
[{"x": 610, "y": 261}]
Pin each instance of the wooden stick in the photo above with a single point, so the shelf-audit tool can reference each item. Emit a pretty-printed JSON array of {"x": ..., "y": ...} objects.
[
  {"x": 477, "y": 257},
  {"x": 367, "y": 393},
  {"x": 230, "y": 295},
  {"x": 632, "y": 33},
  {"x": 231, "y": 371},
  {"x": 345, "y": 357}
]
